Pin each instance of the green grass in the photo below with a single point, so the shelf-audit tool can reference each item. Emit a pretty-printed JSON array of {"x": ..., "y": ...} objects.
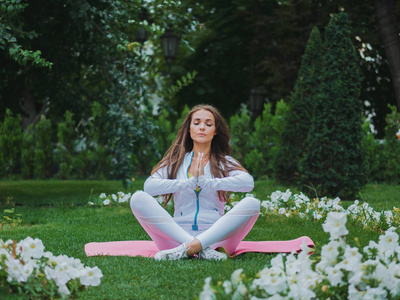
[{"x": 55, "y": 212}]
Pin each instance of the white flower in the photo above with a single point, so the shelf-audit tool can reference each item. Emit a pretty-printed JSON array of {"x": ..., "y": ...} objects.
[
  {"x": 4, "y": 245},
  {"x": 371, "y": 248},
  {"x": 335, "y": 225},
  {"x": 393, "y": 283},
  {"x": 227, "y": 287},
  {"x": 106, "y": 202},
  {"x": 277, "y": 262},
  {"x": 389, "y": 241},
  {"x": 329, "y": 254},
  {"x": 298, "y": 291},
  {"x": 63, "y": 290},
  {"x": 30, "y": 247},
  {"x": 91, "y": 276},
  {"x": 114, "y": 197},
  {"x": 91, "y": 203},
  {"x": 103, "y": 196},
  {"x": 286, "y": 196},
  {"x": 60, "y": 275},
  {"x": 14, "y": 269},
  {"x": 27, "y": 270},
  {"x": 273, "y": 283},
  {"x": 236, "y": 277},
  {"x": 208, "y": 292},
  {"x": 334, "y": 275},
  {"x": 354, "y": 293},
  {"x": 375, "y": 293},
  {"x": 240, "y": 292}
]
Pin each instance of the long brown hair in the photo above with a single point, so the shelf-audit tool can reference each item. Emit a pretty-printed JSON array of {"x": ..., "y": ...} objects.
[{"x": 183, "y": 143}]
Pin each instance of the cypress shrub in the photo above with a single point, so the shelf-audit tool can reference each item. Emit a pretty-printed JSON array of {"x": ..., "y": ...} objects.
[
  {"x": 66, "y": 136},
  {"x": 334, "y": 159},
  {"x": 10, "y": 144},
  {"x": 43, "y": 148},
  {"x": 298, "y": 119},
  {"x": 27, "y": 153}
]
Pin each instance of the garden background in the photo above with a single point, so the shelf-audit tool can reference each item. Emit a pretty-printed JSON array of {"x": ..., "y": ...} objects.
[{"x": 310, "y": 90}]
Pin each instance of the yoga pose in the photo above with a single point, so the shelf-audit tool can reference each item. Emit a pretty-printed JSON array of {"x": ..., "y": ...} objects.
[{"x": 198, "y": 171}]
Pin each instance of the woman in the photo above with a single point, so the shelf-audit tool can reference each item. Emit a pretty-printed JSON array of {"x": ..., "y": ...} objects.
[{"x": 198, "y": 171}]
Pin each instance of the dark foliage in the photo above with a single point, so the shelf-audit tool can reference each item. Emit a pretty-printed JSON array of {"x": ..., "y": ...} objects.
[
  {"x": 334, "y": 159},
  {"x": 298, "y": 119}
]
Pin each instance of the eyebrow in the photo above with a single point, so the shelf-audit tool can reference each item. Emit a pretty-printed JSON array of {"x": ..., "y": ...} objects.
[{"x": 207, "y": 120}]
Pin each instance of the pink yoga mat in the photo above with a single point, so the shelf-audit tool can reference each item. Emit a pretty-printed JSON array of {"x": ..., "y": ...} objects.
[{"x": 149, "y": 249}]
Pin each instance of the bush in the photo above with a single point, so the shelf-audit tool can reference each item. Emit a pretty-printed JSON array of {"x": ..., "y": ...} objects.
[
  {"x": 43, "y": 148},
  {"x": 93, "y": 147},
  {"x": 334, "y": 159},
  {"x": 28, "y": 153},
  {"x": 264, "y": 140},
  {"x": 374, "y": 154},
  {"x": 241, "y": 128},
  {"x": 10, "y": 144},
  {"x": 391, "y": 147},
  {"x": 298, "y": 120},
  {"x": 66, "y": 136}
]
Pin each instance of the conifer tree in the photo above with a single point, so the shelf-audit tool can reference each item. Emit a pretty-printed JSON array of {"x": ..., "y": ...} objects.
[
  {"x": 302, "y": 103},
  {"x": 334, "y": 159}
]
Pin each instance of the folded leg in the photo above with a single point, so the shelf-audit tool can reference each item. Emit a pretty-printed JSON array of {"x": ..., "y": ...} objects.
[
  {"x": 232, "y": 227},
  {"x": 157, "y": 222}
]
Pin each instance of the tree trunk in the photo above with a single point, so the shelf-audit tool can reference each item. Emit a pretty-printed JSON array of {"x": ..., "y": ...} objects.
[
  {"x": 30, "y": 108},
  {"x": 386, "y": 19}
]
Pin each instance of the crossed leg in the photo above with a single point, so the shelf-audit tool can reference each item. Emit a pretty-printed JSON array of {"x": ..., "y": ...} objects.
[{"x": 226, "y": 232}]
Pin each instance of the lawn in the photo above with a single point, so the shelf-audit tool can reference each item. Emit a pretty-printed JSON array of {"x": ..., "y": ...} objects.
[{"x": 56, "y": 212}]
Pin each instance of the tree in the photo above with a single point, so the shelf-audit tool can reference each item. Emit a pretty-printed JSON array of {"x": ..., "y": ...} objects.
[
  {"x": 259, "y": 43},
  {"x": 388, "y": 28},
  {"x": 299, "y": 117},
  {"x": 334, "y": 159}
]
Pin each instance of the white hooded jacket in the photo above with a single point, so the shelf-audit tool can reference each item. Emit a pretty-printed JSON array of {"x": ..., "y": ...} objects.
[{"x": 197, "y": 210}]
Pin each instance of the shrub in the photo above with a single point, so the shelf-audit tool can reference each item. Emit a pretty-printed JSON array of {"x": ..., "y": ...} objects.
[
  {"x": 93, "y": 147},
  {"x": 28, "y": 153},
  {"x": 374, "y": 154},
  {"x": 43, "y": 148},
  {"x": 264, "y": 140},
  {"x": 298, "y": 120},
  {"x": 10, "y": 144},
  {"x": 334, "y": 159},
  {"x": 391, "y": 147},
  {"x": 241, "y": 128},
  {"x": 66, "y": 137}
]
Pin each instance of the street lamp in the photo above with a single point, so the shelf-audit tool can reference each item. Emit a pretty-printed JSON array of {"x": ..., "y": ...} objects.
[
  {"x": 170, "y": 43},
  {"x": 256, "y": 99},
  {"x": 141, "y": 34}
]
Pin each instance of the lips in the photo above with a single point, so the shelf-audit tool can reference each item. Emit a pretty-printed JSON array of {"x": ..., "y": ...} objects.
[{"x": 201, "y": 134}]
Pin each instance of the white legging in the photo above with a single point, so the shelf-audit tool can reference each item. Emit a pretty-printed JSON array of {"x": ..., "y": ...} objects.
[{"x": 227, "y": 232}]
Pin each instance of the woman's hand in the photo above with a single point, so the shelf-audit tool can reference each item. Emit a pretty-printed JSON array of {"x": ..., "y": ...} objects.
[{"x": 199, "y": 169}]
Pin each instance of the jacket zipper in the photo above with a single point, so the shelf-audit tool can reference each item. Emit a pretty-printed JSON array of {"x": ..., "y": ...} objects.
[{"x": 194, "y": 226}]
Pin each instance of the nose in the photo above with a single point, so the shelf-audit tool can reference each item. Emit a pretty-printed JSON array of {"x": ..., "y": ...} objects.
[{"x": 202, "y": 126}]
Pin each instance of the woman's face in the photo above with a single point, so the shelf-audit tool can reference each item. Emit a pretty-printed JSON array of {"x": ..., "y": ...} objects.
[{"x": 202, "y": 126}]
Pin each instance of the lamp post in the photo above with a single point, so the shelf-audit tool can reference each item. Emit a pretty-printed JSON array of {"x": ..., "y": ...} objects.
[
  {"x": 141, "y": 34},
  {"x": 256, "y": 100},
  {"x": 170, "y": 43}
]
